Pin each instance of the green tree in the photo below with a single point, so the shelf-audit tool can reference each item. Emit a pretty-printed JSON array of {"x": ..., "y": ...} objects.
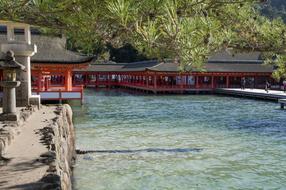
[{"x": 189, "y": 30}]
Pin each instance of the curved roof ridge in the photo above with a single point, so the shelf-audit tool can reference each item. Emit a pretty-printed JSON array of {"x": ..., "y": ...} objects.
[
  {"x": 146, "y": 61},
  {"x": 154, "y": 66},
  {"x": 52, "y": 50}
]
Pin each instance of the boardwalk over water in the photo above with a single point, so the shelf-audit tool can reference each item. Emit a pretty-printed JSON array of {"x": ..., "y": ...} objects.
[{"x": 253, "y": 93}]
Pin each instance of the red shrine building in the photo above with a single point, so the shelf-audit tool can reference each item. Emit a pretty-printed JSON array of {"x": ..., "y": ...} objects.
[
  {"x": 60, "y": 74},
  {"x": 52, "y": 67},
  {"x": 222, "y": 70}
]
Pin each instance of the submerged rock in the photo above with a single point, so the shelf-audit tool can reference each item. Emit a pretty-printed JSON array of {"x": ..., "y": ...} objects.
[{"x": 87, "y": 157}]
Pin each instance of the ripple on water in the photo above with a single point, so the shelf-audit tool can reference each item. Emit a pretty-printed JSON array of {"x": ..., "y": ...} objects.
[{"x": 179, "y": 142}]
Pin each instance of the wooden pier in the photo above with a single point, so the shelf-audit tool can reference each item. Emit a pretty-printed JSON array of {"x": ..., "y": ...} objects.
[
  {"x": 274, "y": 95},
  {"x": 253, "y": 93}
]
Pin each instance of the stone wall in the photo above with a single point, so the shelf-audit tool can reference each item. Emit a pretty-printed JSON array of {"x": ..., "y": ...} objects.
[{"x": 60, "y": 139}]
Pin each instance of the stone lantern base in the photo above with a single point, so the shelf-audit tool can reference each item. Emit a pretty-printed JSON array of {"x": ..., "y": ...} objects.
[
  {"x": 35, "y": 100},
  {"x": 9, "y": 117},
  {"x": 9, "y": 101}
]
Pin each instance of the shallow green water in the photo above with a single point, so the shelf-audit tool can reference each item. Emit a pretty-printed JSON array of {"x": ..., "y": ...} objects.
[{"x": 179, "y": 142}]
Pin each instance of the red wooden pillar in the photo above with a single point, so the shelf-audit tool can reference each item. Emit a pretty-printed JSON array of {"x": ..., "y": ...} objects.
[
  {"x": 227, "y": 81},
  {"x": 97, "y": 79},
  {"x": 197, "y": 81},
  {"x": 68, "y": 80},
  {"x": 155, "y": 81},
  {"x": 147, "y": 80},
  {"x": 39, "y": 82},
  {"x": 187, "y": 81},
  {"x": 213, "y": 82},
  {"x": 181, "y": 84},
  {"x": 85, "y": 78},
  {"x": 108, "y": 79},
  {"x": 46, "y": 83}
]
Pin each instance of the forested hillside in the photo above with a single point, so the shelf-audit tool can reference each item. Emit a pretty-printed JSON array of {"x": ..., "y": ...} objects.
[
  {"x": 278, "y": 3},
  {"x": 275, "y": 8}
]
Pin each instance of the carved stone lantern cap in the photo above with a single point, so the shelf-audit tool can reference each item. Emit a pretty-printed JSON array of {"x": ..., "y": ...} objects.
[{"x": 10, "y": 62}]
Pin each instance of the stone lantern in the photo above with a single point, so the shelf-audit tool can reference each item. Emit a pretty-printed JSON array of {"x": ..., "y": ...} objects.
[
  {"x": 23, "y": 49},
  {"x": 10, "y": 67}
]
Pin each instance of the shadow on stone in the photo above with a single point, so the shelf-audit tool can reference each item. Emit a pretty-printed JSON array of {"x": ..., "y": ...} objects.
[
  {"x": 36, "y": 186},
  {"x": 25, "y": 166},
  {"x": 4, "y": 161},
  {"x": 2, "y": 183},
  {"x": 28, "y": 186}
]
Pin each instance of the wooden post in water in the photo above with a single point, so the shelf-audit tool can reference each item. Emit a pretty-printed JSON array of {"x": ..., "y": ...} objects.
[{"x": 282, "y": 103}]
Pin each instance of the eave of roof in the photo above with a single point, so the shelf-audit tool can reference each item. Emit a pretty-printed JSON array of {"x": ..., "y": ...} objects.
[
  {"x": 232, "y": 66},
  {"x": 51, "y": 50},
  {"x": 82, "y": 61},
  {"x": 218, "y": 67}
]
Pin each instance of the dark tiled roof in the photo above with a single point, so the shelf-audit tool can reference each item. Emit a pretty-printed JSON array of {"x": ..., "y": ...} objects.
[
  {"x": 244, "y": 67},
  {"x": 139, "y": 66},
  {"x": 51, "y": 50},
  {"x": 228, "y": 56},
  {"x": 120, "y": 67},
  {"x": 104, "y": 67},
  {"x": 219, "y": 67},
  {"x": 223, "y": 62},
  {"x": 239, "y": 67}
]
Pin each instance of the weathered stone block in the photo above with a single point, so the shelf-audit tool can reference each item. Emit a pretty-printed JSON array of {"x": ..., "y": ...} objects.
[
  {"x": 2, "y": 147},
  {"x": 35, "y": 100},
  {"x": 9, "y": 117}
]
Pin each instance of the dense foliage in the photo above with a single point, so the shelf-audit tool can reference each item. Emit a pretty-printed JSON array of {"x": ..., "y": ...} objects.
[{"x": 189, "y": 30}]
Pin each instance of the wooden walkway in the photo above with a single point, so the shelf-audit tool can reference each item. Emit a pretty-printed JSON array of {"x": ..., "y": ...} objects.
[
  {"x": 282, "y": 103},
  {"x": 274, "y": 95},
  {"x": 171, "y": 89}
]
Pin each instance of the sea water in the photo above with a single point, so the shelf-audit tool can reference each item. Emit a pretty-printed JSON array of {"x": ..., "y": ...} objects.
[{"x": 179, "y": 142}]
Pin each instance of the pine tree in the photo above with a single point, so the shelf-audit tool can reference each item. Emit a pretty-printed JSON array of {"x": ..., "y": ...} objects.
[{"x": 189, "y": 30}]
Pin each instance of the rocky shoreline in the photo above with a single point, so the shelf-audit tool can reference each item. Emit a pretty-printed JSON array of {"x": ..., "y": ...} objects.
[{"x": 59, "y": 137}]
